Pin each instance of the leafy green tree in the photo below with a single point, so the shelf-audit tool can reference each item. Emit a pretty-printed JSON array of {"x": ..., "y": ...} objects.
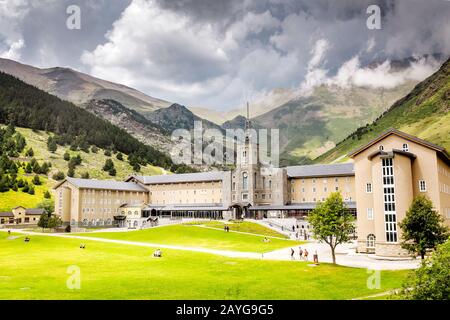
[
  {"x": 47, "y": 194},
  {"x": 51, "y": 144},
  {"x": 47, "y": 204},
  {"x": 108, "y": 153},
  {"x": 422, "y": 228},
  {"x": 71, "y": 172},
  {"x": 58, "y": 176},
  {"x": 136, "y": 167},
  {"x": 85, "y": 175},
  {"x": 31, "y": 189},
  {"x": 36, "y": 180},
  {"x": 119, "y": 156},
  {"x": 29, "y": 152},
  {"x": 66, "y": 156},
  {"x": 94, "y": 149},
  {"x": 112, "y": 171},
  {"x": 431, "y": 281},
  {"x": 109, "y": 164},
  {"x": 28, "y": 168},
  {"x": 332, "y": 222}
]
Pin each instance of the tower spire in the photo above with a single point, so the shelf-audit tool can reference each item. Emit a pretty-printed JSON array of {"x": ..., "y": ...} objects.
[{"x": 247, "y": 121}]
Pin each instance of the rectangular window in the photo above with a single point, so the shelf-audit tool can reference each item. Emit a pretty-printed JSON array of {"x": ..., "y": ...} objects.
[
  {"x": 369, "y": 187},
  {"x": 422, "y": 186},
  {"x": 369, "y": 213},
  {"x": 390, "y": 216}
]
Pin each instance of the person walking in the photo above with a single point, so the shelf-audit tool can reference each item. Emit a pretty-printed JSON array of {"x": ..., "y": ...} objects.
[
  {"x": 306, "y": 254},
  {"x": 300, "y": 252},
  {"x": 292, "y": 254}
]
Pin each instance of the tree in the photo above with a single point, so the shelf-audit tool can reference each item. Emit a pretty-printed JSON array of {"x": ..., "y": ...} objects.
[
  {"x": 29, "y": 152},
  {"x": 51, "y": 144},
  {"x": 66, "y": 156},
  {"x": 58, "y": 176},
  {"x": 112, "y": 171},
  {"x": 431, "y": 281},
  {"x": 71, "y": 172},
  {"x": 28, "y": 168},
  {"x": 108, "y": 153},
  {"x": 119, "y": 156},
  {"x": 30, "y": 190},
  {"x": 43, "y": 221},
  {"x": 85, "y": 175},
  {"x": 332, "y": 222},
  {"x": 422, "y": 228},
  {"x": 47, "y": 204},
  {"x": 94, "y": 149},
  {"x": 47, "y": 194},
  {"x": 36, "y": 180},
  {"x": 109, "y": 164}
]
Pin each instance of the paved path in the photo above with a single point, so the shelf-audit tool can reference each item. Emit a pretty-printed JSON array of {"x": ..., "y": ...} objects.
[
  {"x": 227, "y": 253},
  {"x": 241, "y": 232},
  {"x": 344, "y": 256}
]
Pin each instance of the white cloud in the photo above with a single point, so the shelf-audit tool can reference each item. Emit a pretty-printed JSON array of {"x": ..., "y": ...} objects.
[{"x": 12, "y": 13}]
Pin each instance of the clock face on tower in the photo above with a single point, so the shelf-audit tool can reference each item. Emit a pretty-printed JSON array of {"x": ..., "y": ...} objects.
[{"x": 245, "y": 174}]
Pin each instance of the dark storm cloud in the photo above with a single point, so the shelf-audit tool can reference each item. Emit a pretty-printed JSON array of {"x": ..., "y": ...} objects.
[{"x": 217, "y": 52}]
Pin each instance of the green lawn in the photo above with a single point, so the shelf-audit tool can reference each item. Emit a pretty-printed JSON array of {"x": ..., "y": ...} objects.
[
  {"x": 241, "y": 226},
  {"x": 38, "y": 270},
  {"x": 193, "y": 236}
]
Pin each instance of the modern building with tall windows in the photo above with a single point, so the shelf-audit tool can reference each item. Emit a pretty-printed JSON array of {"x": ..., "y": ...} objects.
[
  {"x": 390, "y": 171},
  {"x": 378, "y": 186}
]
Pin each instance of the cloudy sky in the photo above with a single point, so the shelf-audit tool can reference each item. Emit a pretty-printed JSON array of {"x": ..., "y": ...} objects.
[{"x": 220, "y": 53}]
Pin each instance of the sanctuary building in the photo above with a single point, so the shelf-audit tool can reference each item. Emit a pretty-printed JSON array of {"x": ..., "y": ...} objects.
[{"x": 378, "y": 186}]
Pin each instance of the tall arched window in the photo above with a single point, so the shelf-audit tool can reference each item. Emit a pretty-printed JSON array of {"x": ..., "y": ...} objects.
[
  {"x": 370, "y": 243},
  {"x": 245, "y": 181}
]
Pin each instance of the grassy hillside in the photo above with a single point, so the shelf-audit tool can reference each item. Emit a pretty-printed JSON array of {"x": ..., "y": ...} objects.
[
  {"x": 424, "y": 113},
  {"x": 91, "y": 163},
  {"x": 310, "y": 126}
]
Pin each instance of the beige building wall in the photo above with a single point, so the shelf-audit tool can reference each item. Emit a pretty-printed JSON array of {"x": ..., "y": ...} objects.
[
  {"x": 444, "y": 190},
  {"x": 407, "y": 175},
  {"x": 318, "y": 189},
  {"x": 186, "y": 193},
  {"x": 93, "y": 206}
]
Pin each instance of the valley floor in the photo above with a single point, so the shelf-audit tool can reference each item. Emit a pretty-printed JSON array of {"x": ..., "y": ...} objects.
[{"x": 43, "y": 269}]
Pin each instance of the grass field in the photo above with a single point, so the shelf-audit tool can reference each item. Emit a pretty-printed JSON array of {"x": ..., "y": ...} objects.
[
  {"x": 194, "y": 236},
  {"x": 39, "y": 270},
  {"x": 241, "y": 226}
]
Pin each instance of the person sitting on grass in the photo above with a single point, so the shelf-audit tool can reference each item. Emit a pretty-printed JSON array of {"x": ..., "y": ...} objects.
[
  {"x": 82, "y": 246},
  {"x": 157, "y": 253},
  {"x": 266, "y": 240},
  {"x": 27, "y": 239}
]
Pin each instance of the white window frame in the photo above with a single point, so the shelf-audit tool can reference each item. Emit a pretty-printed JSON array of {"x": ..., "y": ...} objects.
[
  {"x": 369, "y": 213},
  {"x": 405, "y": 147},
  {"x": 424, "y": 184},
  {"x": 370, "y": 240}
]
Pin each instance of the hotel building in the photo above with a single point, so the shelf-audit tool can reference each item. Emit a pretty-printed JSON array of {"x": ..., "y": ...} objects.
[{"x": 378, "y": 186}]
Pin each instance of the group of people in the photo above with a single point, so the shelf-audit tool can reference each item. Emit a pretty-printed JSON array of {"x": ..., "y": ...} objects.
[
  {"x": 226, "y": 228},
  {"x": 266, "y": 240},
  {"x": 303, "y": 254}
]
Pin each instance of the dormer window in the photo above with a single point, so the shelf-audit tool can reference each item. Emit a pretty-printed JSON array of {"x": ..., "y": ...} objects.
[
  {"x": 405, "y": 147},
  {"x": 381, "y": 148}
]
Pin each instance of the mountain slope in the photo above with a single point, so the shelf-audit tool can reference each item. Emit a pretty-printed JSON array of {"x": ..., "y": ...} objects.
[
  {"x": 178, "y": 117},
  {"x": 79, "y": 88},
  {"x": 27, "y": 106},
  {"x": 309, "y": 126},
  {"x": 132, "y": 122},
  {"x": 424, "y": 112}
]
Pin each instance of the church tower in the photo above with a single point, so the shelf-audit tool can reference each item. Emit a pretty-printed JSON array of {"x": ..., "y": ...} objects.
[{"x": 246, "y": 177}]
